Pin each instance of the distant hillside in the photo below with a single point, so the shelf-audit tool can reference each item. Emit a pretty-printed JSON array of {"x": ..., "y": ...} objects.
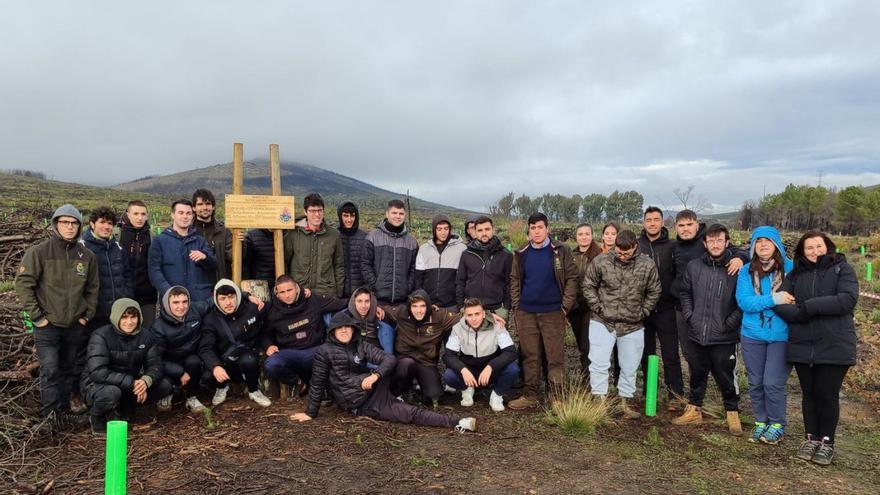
[{"x": 296, "y": 178}]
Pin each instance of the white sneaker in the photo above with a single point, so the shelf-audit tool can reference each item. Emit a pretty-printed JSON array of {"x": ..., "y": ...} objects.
[
  {"x": 195, "y": 405},
  {"x": 467, "y": 397},
  {"x": 220, "y": 395},
  {"x": 164, "y": 404},
  {"x": 447, "y": 388},
  {"x": 260, "y": 399},
  {"x": 496, "y": 402},
  {"x": 466, "y": 424}
]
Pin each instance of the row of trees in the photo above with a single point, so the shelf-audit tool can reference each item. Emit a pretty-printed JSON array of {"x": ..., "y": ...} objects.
[
  {"x": 851, "y": 210},
  {"x": 621, "y": 206}
]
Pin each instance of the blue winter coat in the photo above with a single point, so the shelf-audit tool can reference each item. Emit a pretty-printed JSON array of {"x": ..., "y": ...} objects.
[
  {"x": 169, "y": 264},
  {"x": 114, "y": 273},
  {"x": 759, "y": 321}
]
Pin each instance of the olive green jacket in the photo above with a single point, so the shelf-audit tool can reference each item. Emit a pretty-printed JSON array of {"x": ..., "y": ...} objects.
[{"x": 317, "y": 260}]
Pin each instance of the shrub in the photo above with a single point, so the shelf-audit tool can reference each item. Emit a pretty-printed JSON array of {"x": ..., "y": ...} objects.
[{"x": 576, "y": 411}]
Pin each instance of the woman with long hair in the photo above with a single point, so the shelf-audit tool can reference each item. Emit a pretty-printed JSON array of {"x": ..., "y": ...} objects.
[
  {"x": 579, "y": 317},
  {"x": 822, "y": 337},
  {"x": 609, "y": 236}
]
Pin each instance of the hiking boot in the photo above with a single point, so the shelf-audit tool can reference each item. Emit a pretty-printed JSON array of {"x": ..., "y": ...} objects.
[
  {"x": 692, "y": 415},
  {"x": 626, "y": 409},
  {"x": 757, "y": 432},
  {"x": 220, "y": 395},
  {"x": 808, "y": 449},
  {"x": 524, "y": 402},
  {"x": 99, "y": 425},
  {"x": 467, "y": 397},
  {"x": 466, "y": 424},
  {"x": 63, "y": 420},
  {"x": 496, "y": 402},
  {"x": 734, "y": 426},
  {"x": 824, "y": 453},
  {"x": 164, "y": 404},
  {"x": 773, "y": 434},
  {"x": 194, "y": 404},
  {"x": 260, "y": 399},
  {"x": 77, "y": 406}
]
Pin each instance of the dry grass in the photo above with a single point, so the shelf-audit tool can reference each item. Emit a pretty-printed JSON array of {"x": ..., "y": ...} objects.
[{"x": 576, "y": 411}]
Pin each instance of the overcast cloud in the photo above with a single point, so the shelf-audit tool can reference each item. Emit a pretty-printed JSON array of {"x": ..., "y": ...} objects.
[{"x": 459, "y": 101}]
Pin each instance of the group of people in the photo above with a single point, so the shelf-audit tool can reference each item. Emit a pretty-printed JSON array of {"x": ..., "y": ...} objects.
[{"x": 376, "y": 322}]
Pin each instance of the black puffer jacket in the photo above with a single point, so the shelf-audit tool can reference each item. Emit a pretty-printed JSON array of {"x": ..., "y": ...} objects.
[
  {"x": 136, "y": 244},
  {"x": 244, "y": 326},
  {"x": 179, "y": 339},
  {"x": 708, "y": 301},
  {"x": 259, "y": 254},
  {"x": 342, "y": 367},
  {"x": 114, "y": 272},
  {"x": 821, "y": 329},
  {"x": 484, "y": 273},
  {"x": 388, "y": 263},
  {"x": 684, "y": 252},
  {"x": 298, "y": 325},
  {"x": 660, "y": 250},
  {"x": 353, "y": 248}
]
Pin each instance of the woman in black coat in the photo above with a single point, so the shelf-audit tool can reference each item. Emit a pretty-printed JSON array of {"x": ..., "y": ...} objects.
[{"x": 822, "y": 337}]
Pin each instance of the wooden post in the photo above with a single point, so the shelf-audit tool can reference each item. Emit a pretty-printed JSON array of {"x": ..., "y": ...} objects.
[
  {"x": 237, "y": 188},
  {"x": 275, "y": 174}
]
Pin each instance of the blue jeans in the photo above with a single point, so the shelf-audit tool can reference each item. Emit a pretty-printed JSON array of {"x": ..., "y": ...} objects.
[
  {"x": 501, "y": 381},
  {"x": 768, "y": 372},
  {"x": 288, "y": 364}
]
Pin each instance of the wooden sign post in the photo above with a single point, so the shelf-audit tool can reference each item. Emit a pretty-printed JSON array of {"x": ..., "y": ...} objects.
[{"x": 258, "y": 211}]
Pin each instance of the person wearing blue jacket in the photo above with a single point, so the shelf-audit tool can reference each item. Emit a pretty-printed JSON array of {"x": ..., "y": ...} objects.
[
  {"x": 114, "y": 273},
  {"x": 181, "y": 256},
  {"x": 764, "y": 333}
]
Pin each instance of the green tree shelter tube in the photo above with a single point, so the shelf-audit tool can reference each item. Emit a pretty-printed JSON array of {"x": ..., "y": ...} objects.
[
  {"x": 651, "y": 386},
  {"x": 869, "y": 271},
  {"x": 116, "y": 464}
]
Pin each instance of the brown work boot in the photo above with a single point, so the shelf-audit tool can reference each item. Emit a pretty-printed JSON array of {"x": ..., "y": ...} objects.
[
  {"x": 524, "y": 402},
  {"x": 733, "y": 424},
  {"x": 77, "y": 406},
  {"x": 626, "y": 409},
  {"x": 692, "y": 416}
]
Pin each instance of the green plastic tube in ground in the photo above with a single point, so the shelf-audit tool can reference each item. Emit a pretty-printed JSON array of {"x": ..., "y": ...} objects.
[
  {"x": 869, "y": 271},
  {"x": 116, "y": 463},
  {"x": 862, "y": 249},
  {"x": 651, "y": 386}
]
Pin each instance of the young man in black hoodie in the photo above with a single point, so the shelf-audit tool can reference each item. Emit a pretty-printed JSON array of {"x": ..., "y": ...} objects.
[
  {"x": 230, "y": 336},
  {"x": 437, "y": 263},
  {"x": 342, "y": 368},
  {"x": 353, "y": 239},
  {"x": 364, "y": 308},
  {"x": 135, "y": 239},
  {"x": 293, "y": 330},
  {"x": 484, "y": 270}
]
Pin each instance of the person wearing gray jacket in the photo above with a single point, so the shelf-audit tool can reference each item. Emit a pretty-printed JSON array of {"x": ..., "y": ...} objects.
[{"x": 437, "y": 262}]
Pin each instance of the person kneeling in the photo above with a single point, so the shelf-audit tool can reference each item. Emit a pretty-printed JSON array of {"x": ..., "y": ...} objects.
[
  {"x": 480, "y": 353},
  {"x": 230, "y": 335},
  {"x": 124, "y": 366},
  {"x": 341, "y": 366}
]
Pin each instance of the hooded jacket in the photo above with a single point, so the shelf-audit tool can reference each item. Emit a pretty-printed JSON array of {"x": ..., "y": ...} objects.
[
  {"x": 179, "y": 338},
  {"x": 821, "y": 329},
  {"x": 368, "y": 327},
  {"x": 135, "y": 243},
  {"x": 219, "y": 239},
  {"x": 388, "y": 263},
  {"x": 299, "y": 325},
  {"x": 708, "y": 301},
  {"x": 621, "y": 295},
  {"x": 352, "y": 248},
  {"x": 436, "y": 266},
  {"x": 685, "y": 251},
  {"x": 564, "y": 268},
  {"x": 488, "y": 345},
  {"x": 114, "y": 273},
  {"x": 118, "y": 358},
  {"x": 484, "y": 272},
  {"x": 421, "y": 340},
  {"x": 317, "y": 260},
  {"x": 340, "y": 368},
  {"x": 58, "y": 279},
  {"x": 760, "y": 322},
  {"x": 225, "y": 336},
  {"x": 170, "y": 264},
  {"x": 660, "y": 250}
]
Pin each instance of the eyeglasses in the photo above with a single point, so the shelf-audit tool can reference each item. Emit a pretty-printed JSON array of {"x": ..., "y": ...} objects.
[
  {"x": 68, "y": 223},
  {"x": 315, "y": 210}
]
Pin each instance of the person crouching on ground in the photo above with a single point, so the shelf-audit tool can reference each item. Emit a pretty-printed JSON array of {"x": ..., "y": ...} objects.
[
  {"x": 341, "y": 367},
  {"x": 480, "y": 353},
  {"x": 123, "y": 366}
]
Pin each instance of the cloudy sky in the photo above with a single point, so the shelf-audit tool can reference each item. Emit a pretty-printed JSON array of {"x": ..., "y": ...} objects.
[{"x": 459, "y": 101}]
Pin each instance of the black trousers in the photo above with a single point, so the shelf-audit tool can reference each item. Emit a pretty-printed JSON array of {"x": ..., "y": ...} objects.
[
  {"x": 57, "y": 351},
  {"x": 191, "y": 365},
  {"x": 684, "y": 342},
  {"x": 820, "y": 387},
  {"x": 662, "y": 325},
  {"x": 579, "y": 319},
  {"x": 428, "y": 378},
  {"x": 246, "y": 368},
  {"x": 382, "y": 405},
  {"x": 720, "y": 361},
  {"x": 103, "y": 399}
]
